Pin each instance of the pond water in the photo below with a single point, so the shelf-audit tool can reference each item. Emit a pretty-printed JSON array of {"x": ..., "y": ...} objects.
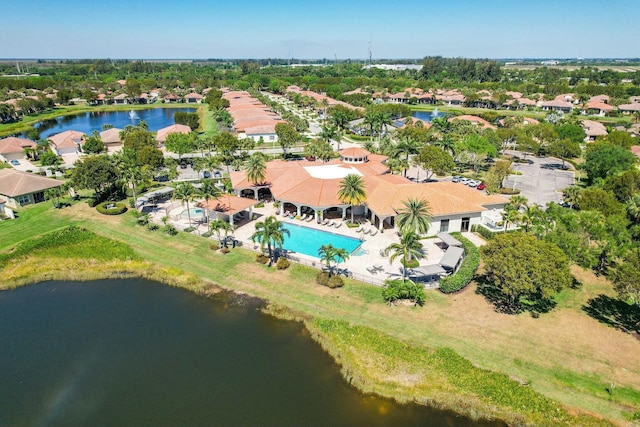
[
  {"x": 156, "y": 118},
  {"x": 427, "y": 116},
  {"x": 135, "y": 352}
]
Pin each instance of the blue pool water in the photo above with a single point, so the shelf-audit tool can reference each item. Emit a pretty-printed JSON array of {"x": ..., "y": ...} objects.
[
  {"x": 427, "y": 116},
  {"x": 195, "y": 213},
  {"x": 307, "y": 241}
]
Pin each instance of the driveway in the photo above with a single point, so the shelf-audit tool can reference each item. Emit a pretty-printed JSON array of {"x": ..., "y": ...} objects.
[{"x": 542, "y": 179}]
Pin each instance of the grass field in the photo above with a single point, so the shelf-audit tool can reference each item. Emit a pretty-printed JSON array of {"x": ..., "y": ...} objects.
[{"x": 565, "y": 356}]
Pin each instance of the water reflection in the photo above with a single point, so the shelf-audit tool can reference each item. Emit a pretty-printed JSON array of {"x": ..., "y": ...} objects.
[{"x": 133, "y": 352}]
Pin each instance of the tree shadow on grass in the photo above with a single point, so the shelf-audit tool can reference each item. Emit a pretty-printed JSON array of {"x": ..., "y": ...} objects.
[
  {"x": 503, "y": 304},
  {"x": 614, "y": 312}
]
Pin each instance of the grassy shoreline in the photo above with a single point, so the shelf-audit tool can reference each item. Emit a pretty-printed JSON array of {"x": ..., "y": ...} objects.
[{"x": 331, "y": 318}]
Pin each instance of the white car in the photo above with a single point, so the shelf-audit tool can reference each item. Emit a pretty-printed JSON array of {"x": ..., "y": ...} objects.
[{"x": 473, "y": 183}]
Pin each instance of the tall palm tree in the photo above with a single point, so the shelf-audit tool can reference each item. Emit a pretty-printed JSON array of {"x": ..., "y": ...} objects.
[
  {"x": 405, "y": 147},
  {"x": 270, "y": 232},
  {"x": 414, "y": 216},
  {"x": 129, "y": 170},
  {"x": 218, "y": 226},
  {"x": 186, "y": 193},
  {"x": 633, "y": 208},
  {"x": 510, "y": 216},
  {"x": 256, "y": 170},
  {"x": 518, "y": 202},
  {"x": 208, "y": 191},
  {"x": 329, "y": 254},
  {"x": 571, "y": 195},
  {"x": 351, "y": 191},
  {"x": 409, "y": 248}
]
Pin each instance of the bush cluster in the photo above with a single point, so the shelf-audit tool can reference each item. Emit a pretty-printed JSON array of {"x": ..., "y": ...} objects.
[
  {"x": 282, "y": 264},
  {"x": 214, "y": 246},
  {"x": 332, "y": 282},
  {"x": 467, "y": 271},
  {"x": 398, "y": 289},
  {"x": 225, "y": 250},
  {"x": 262, "y": 258},
  {"x": 117, "y": 209}
]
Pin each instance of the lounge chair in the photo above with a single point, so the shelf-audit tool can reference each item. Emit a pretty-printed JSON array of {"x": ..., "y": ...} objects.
[
  {"x": 367, "y": 231},
  {"x": 330, "y": 223},
  {"x": 360, "y": 229},
  {"x": 373, "y": 232},
  {"x": 310, "y": 218},
  {"x": 324, "y": 222},
  {"x": 338, "y": 225}
]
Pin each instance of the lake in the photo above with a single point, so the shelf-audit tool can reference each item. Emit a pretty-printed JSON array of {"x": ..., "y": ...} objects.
[
  {"x": 427, "y": 116},
  {"x": 136, "y": 352},
  {"x": 156, "y": 118}
]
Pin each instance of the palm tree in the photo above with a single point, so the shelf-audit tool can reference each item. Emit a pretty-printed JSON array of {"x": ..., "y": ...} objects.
[
  {"x": 571, "y": 195},
  {"x": 186, "y": 193},
  {"x": 518, "y": 202},
  {"x": 268, "y": 232},
  {"x": 218, "y": 226},
  {"x": 329, "y": 253},
  {"x": 414, "y": 216},
  {"x": 530, "y": 216},
  {"x": 256, "y": 168},
  {"x": 129, "y": 170},
  {"x": 208, "y": 191},
  {"x": 633, "y": 208},
  {"x": 405, "y": 147},
  {"x": 447, "y": 144},
  {"x": 510, "y": 216},
  {"x": 409, "y": 248},
  {"x": 351, "y": 191}
]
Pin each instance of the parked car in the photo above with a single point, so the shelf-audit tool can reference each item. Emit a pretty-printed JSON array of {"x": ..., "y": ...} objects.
[
  {"x": 481, "y": 186},
  {"x": 456, "y": 178},
  {"x": 217, "y": 174},
  {"x": 465, "y": 180},
  {"x": 473, "y": 183},
  {"x": 206, "y": 174},
  {"x": 14, "y": 162}
]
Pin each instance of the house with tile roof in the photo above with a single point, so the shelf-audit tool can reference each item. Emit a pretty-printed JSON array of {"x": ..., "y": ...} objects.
[
  {"x": 12, "y": 148},
  {"x": 67, "y": 142},
  {"x": 597, "y": 108},
  {"x": 162, "y": 134},
  {"x": 478, "y": 121},
  {"x": 314, "y": 185},
  {"x": 593, "y": 130},
  {"x": 557, "y": 105},
  {"x": 193, "y": 98},
  {"x": 21, "y": 188}
]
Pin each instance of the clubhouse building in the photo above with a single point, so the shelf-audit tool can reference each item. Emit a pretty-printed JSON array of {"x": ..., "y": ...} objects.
[{"x": 312, "y": 186}]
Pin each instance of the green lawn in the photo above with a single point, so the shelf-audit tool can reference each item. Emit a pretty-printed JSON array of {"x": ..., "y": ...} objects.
[{"x": 497, "y": 351}]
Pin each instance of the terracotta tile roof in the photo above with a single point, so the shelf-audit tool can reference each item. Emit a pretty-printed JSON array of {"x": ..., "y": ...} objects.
[
  {"x": 593, "y": 128},
  {"x": 12, "y": 145},
  {"x": 597, "y": 105},
  {"x": 194, "y": 96},
  {"x": 629, "y": 107},
  {"x": 445, "y": 198},
  {"x": 228, "y": 204},
  {"x": 557, "y": 103},
  {"x": 479, "y": 121},
  {"x": 162, "y": 134},
  {"x": 67, "y": 139},
  {"x": 14, "y": 183},
  {"x": 121, "y": 96},
  {"x": 111, "y": 136},
  {"x": 354, "y": 152},
  {"x": 636, "y": 150},
  {"x": 600, "y": 98}
]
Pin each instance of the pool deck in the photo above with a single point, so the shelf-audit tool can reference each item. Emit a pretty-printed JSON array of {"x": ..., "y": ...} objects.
[{"x": 368, "y": 263}]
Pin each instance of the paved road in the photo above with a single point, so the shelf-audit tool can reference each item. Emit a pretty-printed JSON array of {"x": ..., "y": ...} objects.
[{"x": 542, "y": 179}]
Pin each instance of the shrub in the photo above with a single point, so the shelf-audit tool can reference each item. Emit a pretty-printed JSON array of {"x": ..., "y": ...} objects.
[
  {"x": 259, "y": 205},
  {"x": 170, "y": 229},
  {"x": 110, "y": 208},
  {"x": 153, "y": 227},
  {"x": 262, "y": 258},
  {"x": 335, "y": 282},
  {"x": 488, "y": 234},
  {"x": 411, "y": 264},
  {"x": 282, "y": 264},
  {"x": 467, "y": 271},
  {"x": 189, "y": 229},
  {"x": 206, "y": 235},
  {"x": 509, "y": 191},
  {"x": 225, "y": 250},
  {"x": 214, "y": 246},
  {"x": 92, "y": 202},
  {"x": 398, "y": 289},
  {"x": 322, "y": 278}
]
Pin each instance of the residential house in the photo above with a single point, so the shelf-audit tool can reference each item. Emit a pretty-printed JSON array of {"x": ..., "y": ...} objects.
[
  {"x": 121, "y": 99},
  {"x": 21, "y": 188},
  {"x": 162, "y": 134},
  {"x": 597, "y": 108},
  {"x": 13, "y": 148},
  {"x": 193, "y": 98},
  {"x": 593, "y": 130},
  {"x": 67, "y": 142},
  {"x": 111, "y": 139},
  {"x": 478, "y": 121},
  {"x": 557, "y": 105}
]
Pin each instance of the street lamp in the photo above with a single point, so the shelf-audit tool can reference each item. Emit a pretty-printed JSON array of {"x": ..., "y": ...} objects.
[{"x": 515, "y": 175}]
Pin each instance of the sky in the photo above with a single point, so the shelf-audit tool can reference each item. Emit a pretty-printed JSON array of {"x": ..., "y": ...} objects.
[{"x": 342, "y": 29}]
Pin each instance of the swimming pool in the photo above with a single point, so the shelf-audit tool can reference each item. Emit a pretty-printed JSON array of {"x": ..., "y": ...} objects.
[
  {"x": 196, "y": 213},
  {"x": 307, "y": 241}
]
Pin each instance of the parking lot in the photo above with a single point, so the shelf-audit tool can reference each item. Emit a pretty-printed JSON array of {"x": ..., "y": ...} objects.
[{"x": 542, "y": 179}]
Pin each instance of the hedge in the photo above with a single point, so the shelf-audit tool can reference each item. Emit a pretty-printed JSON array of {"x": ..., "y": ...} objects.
[
  {"x": 117, "y": 209},
  {"x": 460, "y": 279},
  {"x": 488, "y": 234}
]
